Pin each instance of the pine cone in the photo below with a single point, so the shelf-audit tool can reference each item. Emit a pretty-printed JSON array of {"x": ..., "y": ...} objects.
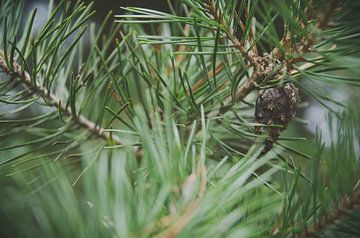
[{"x": 276, "y": 106}]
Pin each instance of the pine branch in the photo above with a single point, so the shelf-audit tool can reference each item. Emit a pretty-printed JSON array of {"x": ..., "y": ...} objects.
[
  {"x": 310, "y": 39},
  {"x": 346, "y": 206},
  {"x": 263, "y": 66},
  {"x": 18, "y": 73},
  {"x": 177, "y": 189},
  {"x": 252, "y": 58}
]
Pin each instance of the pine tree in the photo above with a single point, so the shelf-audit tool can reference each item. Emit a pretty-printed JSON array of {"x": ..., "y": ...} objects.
[{"x": 180, "y": 124}]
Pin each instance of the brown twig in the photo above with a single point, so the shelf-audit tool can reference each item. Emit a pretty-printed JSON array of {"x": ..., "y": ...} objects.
[
  {"x": 202, "y": 81},
  {"x": 237, "y": 44},
  {"x": 178, "y": 223},
  {"x": 23, "y": 77},
  {"x": 308, "y": 40},
  {"x": 181, "y": 222}
]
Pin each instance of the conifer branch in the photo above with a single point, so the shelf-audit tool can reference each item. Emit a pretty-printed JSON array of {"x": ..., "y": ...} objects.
[
  {"x": 237, "y": 44},
  {"x": 18, "y": 73},
  {"x": 263, "y": 65},
  {"x": 188, "y": 178},
  {"x": 346, "y": 206}
]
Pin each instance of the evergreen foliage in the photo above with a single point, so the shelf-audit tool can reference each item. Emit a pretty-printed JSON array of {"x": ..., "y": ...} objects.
[{"x": 144, "y": 126}]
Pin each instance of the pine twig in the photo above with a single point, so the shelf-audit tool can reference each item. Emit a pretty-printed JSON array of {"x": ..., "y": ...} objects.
[
  {"x": 237, "y": 44},
  {"x": 262, "y": 64},
  {"x": 178, "y": 224},
  {"x": 346, "y": 205},
  {"x": 18, "y": 73}
]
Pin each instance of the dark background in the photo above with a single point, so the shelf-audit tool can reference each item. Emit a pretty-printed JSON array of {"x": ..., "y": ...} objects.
[
  {"x": 101, "y": 7},
  {"x": 104, "y": 6}
]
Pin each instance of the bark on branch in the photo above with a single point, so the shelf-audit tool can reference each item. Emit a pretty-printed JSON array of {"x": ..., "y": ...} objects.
[{"x": 23, "y": 77}]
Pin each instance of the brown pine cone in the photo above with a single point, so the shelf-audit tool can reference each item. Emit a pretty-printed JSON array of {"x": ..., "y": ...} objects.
[{"x": 276, "y": 106}]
